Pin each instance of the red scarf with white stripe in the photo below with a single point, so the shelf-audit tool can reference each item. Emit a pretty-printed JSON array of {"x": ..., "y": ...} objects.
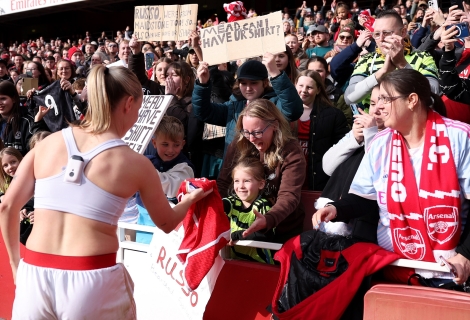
[{"x": 424, "y": 224}]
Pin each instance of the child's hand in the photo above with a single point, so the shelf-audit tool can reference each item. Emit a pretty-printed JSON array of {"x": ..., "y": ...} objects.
[
  {"x": 41, "y": 113},
  {"x": 31, "y": 217},
  {"x": 23, "y": 214},
  {"x": 258, "y": 224}
]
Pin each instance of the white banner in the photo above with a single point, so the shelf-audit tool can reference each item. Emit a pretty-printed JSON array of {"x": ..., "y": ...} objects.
[
  {"x": 15, "y": 6},
  {"x": 164, "y": 294},
  {"x": 150, "y": 114}
]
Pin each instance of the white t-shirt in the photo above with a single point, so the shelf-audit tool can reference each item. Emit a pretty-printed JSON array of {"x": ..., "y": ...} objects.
[{"x": 371, "y": 177}]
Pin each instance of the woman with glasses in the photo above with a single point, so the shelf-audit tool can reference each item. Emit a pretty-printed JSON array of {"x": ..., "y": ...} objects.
[
  {"x": 49, "y": 121},
  {"x": 418, "y": 172},
  {"x": 264, "y": 133},
  {"x": 254, "y": 80},
  {"x": 345, "y": 38},
  {"x": 319, "y": 128}
]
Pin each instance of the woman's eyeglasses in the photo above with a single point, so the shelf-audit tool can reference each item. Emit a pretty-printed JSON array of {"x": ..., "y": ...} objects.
[
  {"x": 387, "y": 100},
  {"x": 345, "y": 37},
  {"x": 255, "y": 134}
]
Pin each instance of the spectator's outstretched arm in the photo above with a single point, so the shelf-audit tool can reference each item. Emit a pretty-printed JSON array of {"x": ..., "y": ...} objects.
[
  {"x": 203, "y": 109},
  {"x": 359, "y": 87},
  {"x": 451, "y": 84},
  {"x": 341, "y": 66},
  {"x": 289, "y": 101},
  {"x": 338, "y": 153}
]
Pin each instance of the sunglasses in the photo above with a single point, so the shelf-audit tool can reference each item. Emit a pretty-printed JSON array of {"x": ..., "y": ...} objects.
[{"x": 345, "y": 37}]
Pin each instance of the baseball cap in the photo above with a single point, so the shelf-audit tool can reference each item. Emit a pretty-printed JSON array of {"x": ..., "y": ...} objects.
[
  {"x": 252, "y": 70},
  {"x": 320, "y": 28}
]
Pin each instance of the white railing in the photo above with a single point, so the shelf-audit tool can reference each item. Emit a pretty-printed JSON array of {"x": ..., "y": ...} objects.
[{"x": 131, "y": 245}]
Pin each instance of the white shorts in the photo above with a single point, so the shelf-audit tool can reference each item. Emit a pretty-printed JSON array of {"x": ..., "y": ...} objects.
[{"x": 49, "y": 293}]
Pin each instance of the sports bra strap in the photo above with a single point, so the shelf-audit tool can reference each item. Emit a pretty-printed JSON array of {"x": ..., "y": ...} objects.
[{"x": 87, "y": 156}]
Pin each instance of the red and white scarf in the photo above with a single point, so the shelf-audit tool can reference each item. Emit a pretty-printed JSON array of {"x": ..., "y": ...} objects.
[{"x": 424, "y": 224}]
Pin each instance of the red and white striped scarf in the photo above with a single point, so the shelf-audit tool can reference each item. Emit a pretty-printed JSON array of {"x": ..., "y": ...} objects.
[{"x": 424, "y": 224}]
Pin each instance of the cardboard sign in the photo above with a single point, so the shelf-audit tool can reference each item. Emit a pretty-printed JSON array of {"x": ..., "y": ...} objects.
[
  {"x": 243, "y": 39},
  {"x": 150, "y": 114},
  {"x": 164, "y": 295},
  {"x": 28, "y": 84},
  {"x": 165, "y": 23}
]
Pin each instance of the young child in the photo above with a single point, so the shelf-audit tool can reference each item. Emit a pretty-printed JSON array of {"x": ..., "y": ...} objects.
[
  {"x": 172, "y": 166},
  {"x": 10, "y": 159},
  {"x": 241, "y": 209}
]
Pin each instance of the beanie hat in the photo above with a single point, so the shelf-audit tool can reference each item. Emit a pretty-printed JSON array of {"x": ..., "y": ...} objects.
[
  {"x": 33, "y": 44},
  {"x": 252, "y": 70},
  {"x": 349, "y": 28},
  {"x": 71, "y": 51},
  {"x": 5, "y": 56}
]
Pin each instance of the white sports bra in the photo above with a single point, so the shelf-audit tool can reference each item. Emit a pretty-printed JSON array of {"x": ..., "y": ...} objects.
[{"x": 86, "y": 200}]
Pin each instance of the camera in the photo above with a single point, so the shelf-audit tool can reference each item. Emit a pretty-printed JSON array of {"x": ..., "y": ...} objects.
[
  {"x": 462, "y": 30},
  {"x": 74, "y": 170}
]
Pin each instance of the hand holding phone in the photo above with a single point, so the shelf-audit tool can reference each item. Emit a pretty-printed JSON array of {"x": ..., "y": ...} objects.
[
  {"x": 462, "y": 30},
  {"x": 450, "y": 266}
]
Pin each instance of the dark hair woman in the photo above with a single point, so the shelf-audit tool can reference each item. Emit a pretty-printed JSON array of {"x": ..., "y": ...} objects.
[
  {"x": 180, "y": 82},
  {"x": 16, "y": 125},
  {"x": 417, "y": 172},
  {"x": 319, "y": 128}
]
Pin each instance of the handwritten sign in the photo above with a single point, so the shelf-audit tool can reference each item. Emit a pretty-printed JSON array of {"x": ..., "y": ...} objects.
[
  {"x": 243, "y": 39},
  {"x": 150, "y": 114},
  {"x": 165, "y": 23},
  {"x": 164, "y": 295}
]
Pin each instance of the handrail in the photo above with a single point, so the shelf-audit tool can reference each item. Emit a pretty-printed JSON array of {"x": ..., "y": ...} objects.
[{"x": 124, "y": 244}]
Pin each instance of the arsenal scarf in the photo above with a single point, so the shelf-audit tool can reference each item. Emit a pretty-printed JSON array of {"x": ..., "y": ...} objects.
[{"x": 424, "y": 224}]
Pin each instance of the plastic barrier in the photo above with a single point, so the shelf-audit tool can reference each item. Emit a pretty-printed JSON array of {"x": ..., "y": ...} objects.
[{"x": 388, "y": 301}]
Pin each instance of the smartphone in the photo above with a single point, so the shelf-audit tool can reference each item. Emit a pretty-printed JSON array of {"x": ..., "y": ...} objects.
[
  {"x": 301, "y": 31},
  {"x": 462, "y": 28},
  {"x": 29, "y": 74},
  {"x": 433, "y": 4},
  {"x": 355, "y": 109},
  {"x": 149, "y": 58},
  {"x": 450, "y": 266}
]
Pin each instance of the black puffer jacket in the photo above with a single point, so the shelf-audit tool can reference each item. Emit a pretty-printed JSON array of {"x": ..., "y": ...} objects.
[{"x": 327, "y": 126}]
